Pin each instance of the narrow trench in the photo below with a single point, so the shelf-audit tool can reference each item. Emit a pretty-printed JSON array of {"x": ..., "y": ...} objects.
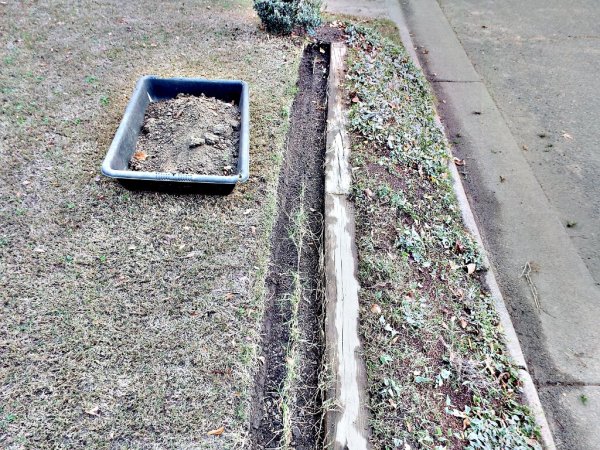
[{"x": 287, "y": 403}]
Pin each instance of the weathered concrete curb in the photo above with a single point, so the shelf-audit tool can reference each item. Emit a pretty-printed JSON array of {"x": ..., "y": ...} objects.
[
  {"x": 510, "y": 335},
  {"x": 346, "y": 424}
]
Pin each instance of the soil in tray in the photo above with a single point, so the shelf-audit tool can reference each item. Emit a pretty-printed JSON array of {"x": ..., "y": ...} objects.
[{"x": 190, "y": 135}]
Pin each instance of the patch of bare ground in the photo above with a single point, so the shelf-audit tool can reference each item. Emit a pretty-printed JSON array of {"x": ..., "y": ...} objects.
[{"x": 288, "y": 400}]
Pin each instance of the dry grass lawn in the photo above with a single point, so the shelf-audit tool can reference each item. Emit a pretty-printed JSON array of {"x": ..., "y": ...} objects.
[{"x": 128, "y": 319}]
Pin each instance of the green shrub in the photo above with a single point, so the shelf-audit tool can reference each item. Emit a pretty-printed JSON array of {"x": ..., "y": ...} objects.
[{"x": 282, "y": 16}]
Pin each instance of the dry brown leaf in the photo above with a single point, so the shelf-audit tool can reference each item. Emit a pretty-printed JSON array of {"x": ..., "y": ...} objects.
[
  {"x": 463, "y": 323},
  {"x": 458, "y": 162},
  {"x": 140, "y": 156},
  {"x": 471, "y": 268},
  {"x": 217, "y": 432},
  {"x": 229, "y": 296},
  {"x": 459, "y": 247}
]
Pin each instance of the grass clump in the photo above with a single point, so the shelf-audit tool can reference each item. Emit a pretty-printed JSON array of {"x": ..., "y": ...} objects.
[
  {"x": 282, "y": 16},
  {"x": 297, "y": 234},
  {"x": 438, "y": 373}
]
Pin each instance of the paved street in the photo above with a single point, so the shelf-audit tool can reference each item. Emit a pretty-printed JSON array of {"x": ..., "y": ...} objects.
[{"x": 540, "y": 61}]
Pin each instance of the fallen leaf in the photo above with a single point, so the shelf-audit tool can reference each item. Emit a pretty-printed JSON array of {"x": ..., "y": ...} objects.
[
  {"x": 466, "y": 423},
  {"x": 375, "y": 308},
  {"x": 502, "y": 179},
  {"x": 217, "y": 432},
  {"x": 140, "y": 156},
  {"x": 229, "y": 296},
  {"x": 463, "y": 323},
  {"x": 460, "y": 248},
  {"x": 525, "y": 148},
  {"x": 471, "y": 268},
  {"x": 459, "y": 162},
  {"x": 322, "y": 50}
]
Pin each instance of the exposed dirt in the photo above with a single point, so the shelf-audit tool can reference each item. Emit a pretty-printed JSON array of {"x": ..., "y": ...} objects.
[
  {"x": 301, "y": 180},
  {"x": 188, "y": 134}
]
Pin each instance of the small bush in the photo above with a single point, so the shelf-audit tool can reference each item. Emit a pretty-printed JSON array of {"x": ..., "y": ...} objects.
[{"x": 282, "y": 16}]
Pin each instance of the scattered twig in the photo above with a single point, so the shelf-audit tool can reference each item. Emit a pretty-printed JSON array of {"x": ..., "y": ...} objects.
[{"x": 527, "y": 275}]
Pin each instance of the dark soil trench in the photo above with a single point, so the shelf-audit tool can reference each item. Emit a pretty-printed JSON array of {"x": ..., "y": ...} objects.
[{"x": 292, "y": 418}]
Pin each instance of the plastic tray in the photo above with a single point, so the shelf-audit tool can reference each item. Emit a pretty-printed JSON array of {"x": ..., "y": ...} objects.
[{"x": 151, "y": 89}]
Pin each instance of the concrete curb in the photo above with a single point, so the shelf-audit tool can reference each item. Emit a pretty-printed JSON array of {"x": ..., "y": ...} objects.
[{"x": 510, "y": 336}]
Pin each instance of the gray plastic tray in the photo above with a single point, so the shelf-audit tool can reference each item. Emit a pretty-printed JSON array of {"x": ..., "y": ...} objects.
[{"x": 151, "y": 89}]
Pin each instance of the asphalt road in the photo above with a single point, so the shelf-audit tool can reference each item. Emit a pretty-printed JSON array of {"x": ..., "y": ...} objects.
[{"x": 540, "y": 60}]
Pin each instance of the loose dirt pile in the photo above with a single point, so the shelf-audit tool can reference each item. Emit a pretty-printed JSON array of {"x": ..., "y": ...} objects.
[{"x": 189, "y": 134}]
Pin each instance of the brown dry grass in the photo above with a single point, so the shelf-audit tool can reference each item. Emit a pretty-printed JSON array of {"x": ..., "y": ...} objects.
[{"x": 128, "y": 320}]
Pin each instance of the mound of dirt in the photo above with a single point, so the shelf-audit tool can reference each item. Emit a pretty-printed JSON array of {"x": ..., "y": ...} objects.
[{"x": 188, "y": 134}]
